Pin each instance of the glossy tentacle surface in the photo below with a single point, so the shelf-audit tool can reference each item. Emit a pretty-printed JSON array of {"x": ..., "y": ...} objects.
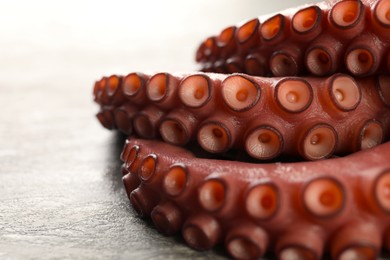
[
  {"x": 297, "y": 210},
  {"x": 293, "y": 209},
  {"x": 320, "y": 39},
  {"x": 309, "y": 117}
]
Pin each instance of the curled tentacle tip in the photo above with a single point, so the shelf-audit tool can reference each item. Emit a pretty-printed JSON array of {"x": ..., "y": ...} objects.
[
  {"x": 306, "y": 19},
  {"x": 175, "y": 180},
  {"x": 345, "y": 92},
  {"x": 247, "y": 30},
  {"x": 360, "y": 61},
  {"x": 264, "y": 142},
  {"x": 371, "y": 135},
  {"x": 346, "y": 14},
  {"x": 294, "y": 95},
  {"x": 382, "y": 191},
  {"x": 212, "y": 194},
  {"x": 194, "y": 91},
  {"x": 319, "y": 142},
  {"x": 214, "y": 137},
  {"x": 262, "y": 201},
  {"x": 324, "y": 197},
  {"x": 239, "y": 93}
]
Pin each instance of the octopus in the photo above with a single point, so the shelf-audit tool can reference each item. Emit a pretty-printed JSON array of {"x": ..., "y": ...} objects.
[{"x": 278, "y": 144}]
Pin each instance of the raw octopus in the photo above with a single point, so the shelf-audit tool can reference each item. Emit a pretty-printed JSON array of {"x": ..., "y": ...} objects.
[{"x": 310, "y": 84}]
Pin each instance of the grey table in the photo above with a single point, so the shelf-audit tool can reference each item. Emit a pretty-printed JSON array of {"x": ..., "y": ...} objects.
[{"x": 61, "y": 194}]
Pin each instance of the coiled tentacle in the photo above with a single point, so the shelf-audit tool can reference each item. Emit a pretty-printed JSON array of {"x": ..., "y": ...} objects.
[
  {"x": 331, "y": 36},
  {"x": 296, "y": 210},
  {"x": 309, "y": 117},
  {"x": 250, "y": 207}
]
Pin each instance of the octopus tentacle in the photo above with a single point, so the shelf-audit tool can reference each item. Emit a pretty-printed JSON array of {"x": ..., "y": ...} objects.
[
  {"x": 325, "y": 205},
  {"x": 339, "y": 24},
  {"x": 338, "y": 111},
  {"x": 297, "y": 210}
]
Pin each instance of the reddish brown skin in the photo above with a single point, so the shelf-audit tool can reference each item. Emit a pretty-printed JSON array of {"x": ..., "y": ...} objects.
[
  {"x": 297, "y": 210},
  {"x": 265, "y": 111},
  {"x": 324, "y": 34},
  {"x": 355, "y": 174}
]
